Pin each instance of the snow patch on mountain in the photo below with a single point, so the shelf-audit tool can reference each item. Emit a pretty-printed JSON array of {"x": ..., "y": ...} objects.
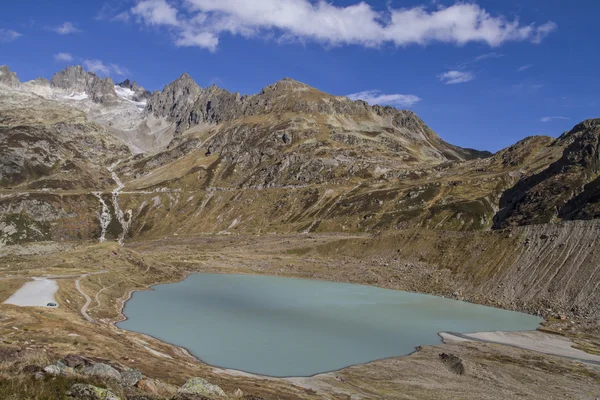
[
  {"x": 128, "y": 94},
  {"x": 76, "y": 96}
]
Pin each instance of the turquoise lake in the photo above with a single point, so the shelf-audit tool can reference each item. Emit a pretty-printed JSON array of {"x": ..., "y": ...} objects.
[{"x": 295, "y": 327}]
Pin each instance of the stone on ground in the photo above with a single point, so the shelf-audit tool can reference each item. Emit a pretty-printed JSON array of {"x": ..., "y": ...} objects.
[
  {"x": 102, "y": 371},
  {"x": 130, "y": 377},
  {"x": 202, "y": 387},
  {"x": 453, "y": 363},
  {"x": 81, "y": 391}
]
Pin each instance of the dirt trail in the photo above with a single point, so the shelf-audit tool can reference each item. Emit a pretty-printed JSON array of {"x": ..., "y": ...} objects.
[
  {"x": 97, "y": 297},
  {"x": 88, "y": 300}
]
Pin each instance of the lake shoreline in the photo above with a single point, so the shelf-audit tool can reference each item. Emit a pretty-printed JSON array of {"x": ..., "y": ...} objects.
[
  {"x": 414, "y": 346},
  {"x": 541, "y": 342}
]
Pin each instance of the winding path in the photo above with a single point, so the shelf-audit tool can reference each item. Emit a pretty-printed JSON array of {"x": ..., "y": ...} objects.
[
  {"x": 97, "y": 298},
  {"x": 88, "y": 300}
]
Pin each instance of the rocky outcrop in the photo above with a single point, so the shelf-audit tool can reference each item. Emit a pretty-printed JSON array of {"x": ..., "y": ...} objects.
[
  {"x": 8, "y": 78},
  {"x": 76, "y": 365},
  {"x": 200, "y": 386},
  {"x": 566, "y": 189},
  {"x": 76, "y": 79},
  {"x": 76, "y": 361},
  {"x": 130, "y": 377},
  {"x": 103, "y": 371},
  {"x": 453, "y": 363},
  {"x": 81, "y": 391},
  {"x": 175, "y": 101}
]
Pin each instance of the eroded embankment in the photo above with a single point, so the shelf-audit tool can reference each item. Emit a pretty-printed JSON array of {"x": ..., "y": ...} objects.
[{"x": 539, "y": 268}]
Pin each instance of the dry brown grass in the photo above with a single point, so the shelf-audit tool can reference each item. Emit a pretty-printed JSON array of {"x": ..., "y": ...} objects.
[{"x": 332, "y": 257}]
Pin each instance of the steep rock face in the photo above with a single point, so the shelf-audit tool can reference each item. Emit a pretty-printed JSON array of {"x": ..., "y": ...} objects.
[
  {"x": 76, "y": 79},
  {"x": 140, "y": 94},
  {"x": 184, "y": 103},
  {"x": 8, "y": 78},
  {"x": 564, "y": 189},
  {"x": 175, "y": 101}
]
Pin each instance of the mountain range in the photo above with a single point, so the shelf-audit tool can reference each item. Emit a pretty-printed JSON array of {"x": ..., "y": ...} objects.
[{"x": 85, "y": 158}]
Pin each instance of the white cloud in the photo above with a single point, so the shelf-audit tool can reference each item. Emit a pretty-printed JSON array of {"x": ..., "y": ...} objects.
[
  {"x": 8, "y": 35},
  {"x": 156, "y": 12},
  {"x": 119, "y": 70},
  {"x": 121, "y": 17},
  {"x": 201, "y": 22},
  {"x": 542, "y": 31},
  {"x": 63, "y": 57},
  {"x": 454, "y": 77},
  {"x": 376, "y": 97},
  {"x": 66, "y": 28},
  {"x": 96, "y": 66},
  {"x": 550, "y": 119},
  {"x": 112, "y": 10},
  {"x": 524, "y": 67},
  {"x": 487, "y": 56},
  {"x": 203, "y": 39},
  {"x": 100, "y": 68}
]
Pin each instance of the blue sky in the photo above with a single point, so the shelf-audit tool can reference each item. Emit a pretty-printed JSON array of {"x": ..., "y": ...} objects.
[{"x": 482, "y": 74}]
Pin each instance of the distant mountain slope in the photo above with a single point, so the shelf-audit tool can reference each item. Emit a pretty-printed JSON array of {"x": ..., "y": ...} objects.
[
  {"x": 48, "y": 145},
  {"x": 189, "y": 160},
  {"x": 186, "y": 105},
  {"x": 566, "y": 189}
]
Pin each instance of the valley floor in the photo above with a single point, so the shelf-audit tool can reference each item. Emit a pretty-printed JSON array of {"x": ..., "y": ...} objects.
[{"x": 95, "y": 280}]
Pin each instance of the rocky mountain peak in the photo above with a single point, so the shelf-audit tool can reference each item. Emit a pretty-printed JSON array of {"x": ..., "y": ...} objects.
[
  {"x": 568, "y": 188},
  {"x": 185, "y": 104},
  {"x": 76, "y": 79},
  {"x": 7, "y": 77},
  {"x": 139, "y": 93},
  {"x": 175, "y": 101},
  {"x": 287, "y": 85},
  {"x": 126, "y": 84},
  {"x": 72, "y": 77},
  {"x": 588, "y": 124},
  {"x": 185, "y": 80}
]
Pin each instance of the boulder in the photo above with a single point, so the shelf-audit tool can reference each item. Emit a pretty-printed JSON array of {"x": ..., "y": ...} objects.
[
  {"x": 200, "y": 386},
  {"x": 238, "y": 394},
  {"x": 31, "y": 369},
  {"x": 187, "y": 396},
  {"x": 148, "y": 386},
  {"x": 82, "y": 391},
  {"x": 453, "y": 363},
  {"x": 102, "y": 371},
  {"x": 60, "y": 368},
  {"x": 53, "y": 370},
  {"x": 130, "y": 377},
  {"x": 75, "y": 361}
]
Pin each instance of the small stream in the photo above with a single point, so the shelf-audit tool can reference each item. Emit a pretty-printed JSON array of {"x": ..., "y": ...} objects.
[{"x": 124, "y": 218}]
